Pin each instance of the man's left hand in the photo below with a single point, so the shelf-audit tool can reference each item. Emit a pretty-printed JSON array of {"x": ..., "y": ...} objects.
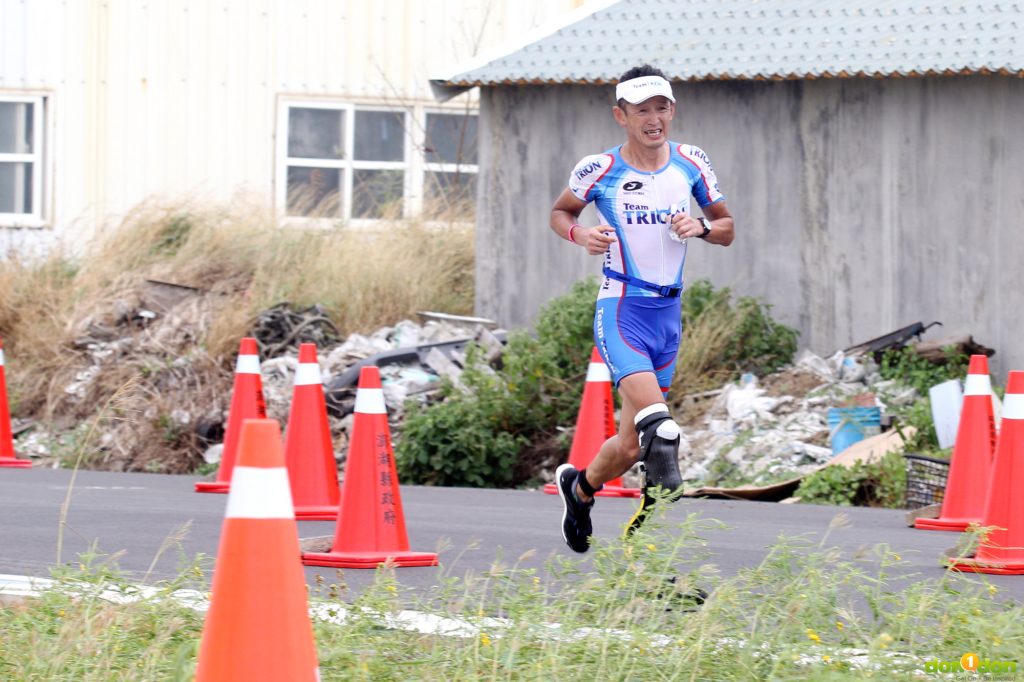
[{"x": 685, "y": 225}]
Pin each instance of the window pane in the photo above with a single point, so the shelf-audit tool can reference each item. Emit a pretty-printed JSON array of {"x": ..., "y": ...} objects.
[
  {"x": 446, "y": 192},
  {"x": 16, "y": 127},
  {"x": 316, "y": 133},
  {"x": 451, "y": 138},
  {"x": 15, "y": 187},
  {"x": 314, "y": 192},
  {"x": 380, "y": 136},
  {"x": 377, "y": 193}
]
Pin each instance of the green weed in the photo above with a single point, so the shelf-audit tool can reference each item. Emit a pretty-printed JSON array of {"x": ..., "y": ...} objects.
[
  {"x": 805, "y": 612},
  {"x": 863, "y": 484}
]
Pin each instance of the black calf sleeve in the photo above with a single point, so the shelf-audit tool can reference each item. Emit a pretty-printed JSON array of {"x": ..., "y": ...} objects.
[{"x": 585, "y": 486}]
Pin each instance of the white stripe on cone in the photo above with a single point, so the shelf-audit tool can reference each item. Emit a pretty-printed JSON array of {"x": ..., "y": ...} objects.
[
  {"x": 1, "y": 357},
  {"x": 978, "y": 384},
  {"x": 1013, "y": 406},
  {"x": 598, "y": 371},
  {"x": 370, "y": 401},
  {"x": 308, "y": 374},
  {"x": 258, "y": 493},
  {"x": 247, "y": 364}
]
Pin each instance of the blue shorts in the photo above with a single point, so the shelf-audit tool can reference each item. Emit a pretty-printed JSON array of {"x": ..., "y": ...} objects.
[{"x": 639, "y": 334}]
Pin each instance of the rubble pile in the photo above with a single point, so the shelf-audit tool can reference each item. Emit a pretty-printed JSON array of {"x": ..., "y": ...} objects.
[
  {"x": 761, "y": 431},
  {"x": 399, "y": 380},
  {"x": 140, "y": 392}
]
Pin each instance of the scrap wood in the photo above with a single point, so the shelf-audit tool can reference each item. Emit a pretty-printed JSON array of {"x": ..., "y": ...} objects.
[
  {"x": 19, "y": 427},
  {"x": 320, "y": 543},
  {"x": 932, "y": 511},
  {"x": 492, "y": 346},
  {"x": 161, "y": 295},
  {"x": 866, "y": 451},
  {"x": 935, "y": 351},
  {"x": 457, "y": 319},
  {"x": 894, "y": 339}
]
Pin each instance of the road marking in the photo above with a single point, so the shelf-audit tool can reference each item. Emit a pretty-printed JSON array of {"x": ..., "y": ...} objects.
[{"x": 100, "y": 487}]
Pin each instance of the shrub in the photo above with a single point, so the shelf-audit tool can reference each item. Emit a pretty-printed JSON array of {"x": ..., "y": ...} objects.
[
  {"x": 875, "y": 484},
  {"x": 906, "y": 366},
  {"x": 458, "y": 442},
  {"x": 918, "y": 414},
  {"x": 476, "y": 437}
]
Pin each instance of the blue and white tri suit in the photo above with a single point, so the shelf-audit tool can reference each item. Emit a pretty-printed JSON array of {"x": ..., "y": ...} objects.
[{"x": 636, "y": 328}]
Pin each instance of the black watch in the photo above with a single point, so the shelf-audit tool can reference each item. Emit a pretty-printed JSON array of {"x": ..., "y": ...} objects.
[{"x": 707, "y": 227}]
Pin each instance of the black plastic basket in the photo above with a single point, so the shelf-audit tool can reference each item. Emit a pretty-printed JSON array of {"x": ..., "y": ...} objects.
[{"x": 926, "y": 480}]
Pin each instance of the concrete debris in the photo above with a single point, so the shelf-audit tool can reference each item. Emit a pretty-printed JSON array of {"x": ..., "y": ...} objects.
[
  {"x": 754, "y": 433},
  {"x": 141, "y": 393},
  {"x": 399, "y": 381},
  {"x": 445, "y": 367},
  {"x": 213, "y": 453}
]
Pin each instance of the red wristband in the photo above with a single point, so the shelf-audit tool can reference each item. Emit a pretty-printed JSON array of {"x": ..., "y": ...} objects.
[{"x": 571, "y": 228}]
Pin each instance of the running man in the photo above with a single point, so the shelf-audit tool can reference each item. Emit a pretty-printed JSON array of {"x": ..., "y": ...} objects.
[{"x": 642, "y": 191}]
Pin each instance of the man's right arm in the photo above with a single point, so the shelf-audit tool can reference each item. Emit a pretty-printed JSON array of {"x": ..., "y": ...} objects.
[{"x": 564, "y": 215}]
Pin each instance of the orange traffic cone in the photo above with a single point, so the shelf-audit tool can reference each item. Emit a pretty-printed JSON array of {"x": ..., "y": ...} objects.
[
  {"x": 7, "y": 458},
  {"x": 971, "y": 464},
  {"x": 258, "y": 628},
  {"x": 595, "y": 423},
  {"x": 246, "y": 403},
  {"x": 371, "y": 525},
  {"x": 1002, "y": 552},
  {"x": 308, "y": 450}
]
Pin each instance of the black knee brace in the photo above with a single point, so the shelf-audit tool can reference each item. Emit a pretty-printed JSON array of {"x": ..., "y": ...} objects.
[{"x": 659, "y": 451}]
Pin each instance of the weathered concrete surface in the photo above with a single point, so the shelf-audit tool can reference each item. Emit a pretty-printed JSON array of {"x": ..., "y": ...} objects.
[{"x": 861, "y": 205}]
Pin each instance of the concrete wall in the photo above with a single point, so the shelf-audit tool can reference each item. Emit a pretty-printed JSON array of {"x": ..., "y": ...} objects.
[{"x": 861, "y": 205}]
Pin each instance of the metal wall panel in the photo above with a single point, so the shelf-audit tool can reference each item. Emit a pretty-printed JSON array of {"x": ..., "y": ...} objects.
[{"x": 170, "y": 99}]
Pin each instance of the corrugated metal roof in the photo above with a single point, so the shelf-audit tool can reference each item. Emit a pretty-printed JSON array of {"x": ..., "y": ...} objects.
[{"x": 767, "y": 39}]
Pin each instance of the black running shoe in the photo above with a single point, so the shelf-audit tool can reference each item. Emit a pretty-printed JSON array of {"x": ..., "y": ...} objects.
[{"x": 576, "y": 526}]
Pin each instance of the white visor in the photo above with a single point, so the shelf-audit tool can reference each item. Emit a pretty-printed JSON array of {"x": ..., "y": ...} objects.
[{"x": 637, "y": 90}]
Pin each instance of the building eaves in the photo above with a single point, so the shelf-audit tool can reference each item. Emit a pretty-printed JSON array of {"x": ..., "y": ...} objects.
[{"x": 694, "y": 40}]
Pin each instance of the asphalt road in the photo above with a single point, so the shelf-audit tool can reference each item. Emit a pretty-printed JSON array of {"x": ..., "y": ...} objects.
[{"x": 133, "y": 515}]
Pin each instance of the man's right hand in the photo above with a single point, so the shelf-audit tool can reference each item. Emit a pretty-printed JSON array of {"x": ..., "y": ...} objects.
[{"x": 598, "y": 239}]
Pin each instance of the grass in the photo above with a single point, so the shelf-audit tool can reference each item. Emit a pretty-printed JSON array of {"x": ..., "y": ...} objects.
[{"x": 804, "y": 613}]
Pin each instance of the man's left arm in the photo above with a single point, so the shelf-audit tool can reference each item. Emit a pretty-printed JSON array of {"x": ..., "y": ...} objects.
[{"x": 720, "y": 221}]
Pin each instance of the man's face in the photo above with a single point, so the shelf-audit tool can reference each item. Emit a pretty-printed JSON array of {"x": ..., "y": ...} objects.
[{"x": 647, "y": 123}]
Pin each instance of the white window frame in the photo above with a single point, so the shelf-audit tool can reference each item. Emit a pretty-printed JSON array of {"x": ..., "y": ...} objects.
[
  {"x": 36, "y": 217},
  {"x": 434, "y": 167},
  {"x": 414, "y": 165},
  {"x": 347, "y": 164}
]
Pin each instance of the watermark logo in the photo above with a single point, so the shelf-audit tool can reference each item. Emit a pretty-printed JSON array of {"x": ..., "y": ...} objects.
[{"x": 973, "y": 667}]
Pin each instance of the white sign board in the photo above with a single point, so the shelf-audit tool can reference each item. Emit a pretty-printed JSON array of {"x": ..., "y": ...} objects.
[{"x": 947, "y": 399}]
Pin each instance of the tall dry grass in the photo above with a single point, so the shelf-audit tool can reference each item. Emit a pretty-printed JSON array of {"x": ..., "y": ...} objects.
[
  {"x": 365, "y": 278},
  {"x": 700, "y": 365}
]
